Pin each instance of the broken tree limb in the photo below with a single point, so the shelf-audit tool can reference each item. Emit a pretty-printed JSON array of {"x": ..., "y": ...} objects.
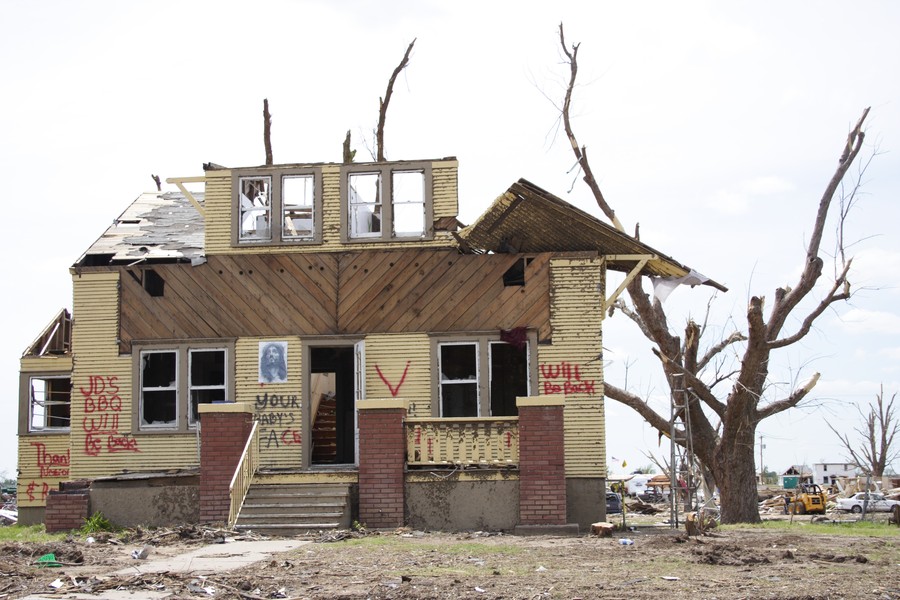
[
  {"x": 383, "y": 104},
  {"x": 267, "y": 131},
  {"x": 581, "y": 151}
]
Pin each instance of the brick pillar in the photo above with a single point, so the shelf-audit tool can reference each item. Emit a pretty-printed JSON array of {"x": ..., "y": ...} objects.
[
  {"x": 382, "y": 463},
  {"x": 224, "y": 429},
  {"x": 542, "y": 461},
  {"x": 66, "y": 510}
]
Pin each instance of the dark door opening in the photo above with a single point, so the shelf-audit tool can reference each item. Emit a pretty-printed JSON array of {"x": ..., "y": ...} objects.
[{"x": 332, "y": 405}]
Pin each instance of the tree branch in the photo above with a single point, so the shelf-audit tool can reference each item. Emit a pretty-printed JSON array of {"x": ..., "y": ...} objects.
[
  {"x": 638, "y": 405},
  {"x": 787, "y": 300},
  {"x": 830, "y": 298},
  {"x": 789, "y": 402},
  {"x": 383, "y": 104},
  {"x": 734, "y": 338},
  {"x": 581, "y": 151}
]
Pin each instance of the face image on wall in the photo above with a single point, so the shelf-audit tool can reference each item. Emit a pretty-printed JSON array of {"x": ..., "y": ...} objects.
[{"x": 273, "y": 362}]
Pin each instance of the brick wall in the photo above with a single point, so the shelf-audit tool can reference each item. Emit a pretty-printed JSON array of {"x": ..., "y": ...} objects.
[
  {"x": 382, "y": 464},
  {"x": 66, "y": 510},
  {"x": 222, "y": 439},
  {"x": 542, "y": 476}
]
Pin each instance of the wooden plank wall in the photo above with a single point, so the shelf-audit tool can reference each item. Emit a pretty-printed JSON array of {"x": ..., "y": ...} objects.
[
  {"x": 419, "y": 290},
  {"x": 573, "y": 364}
]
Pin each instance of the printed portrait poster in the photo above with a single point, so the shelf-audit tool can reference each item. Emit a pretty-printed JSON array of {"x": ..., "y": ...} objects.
[{"x": 273, "y": 362}]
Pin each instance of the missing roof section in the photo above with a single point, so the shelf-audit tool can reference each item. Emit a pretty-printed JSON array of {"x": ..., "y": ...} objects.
[{"x": 156, "y": 227}]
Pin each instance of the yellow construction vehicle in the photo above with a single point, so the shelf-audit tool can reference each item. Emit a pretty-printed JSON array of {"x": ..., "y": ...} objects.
[{"x": 808, "y": 499}]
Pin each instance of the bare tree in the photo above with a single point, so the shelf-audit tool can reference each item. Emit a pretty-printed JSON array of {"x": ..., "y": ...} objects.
[
  {"x": 383, "y": 104},
  {"x": 723, "y": 430},
  {"x": 873, "y": 450}
]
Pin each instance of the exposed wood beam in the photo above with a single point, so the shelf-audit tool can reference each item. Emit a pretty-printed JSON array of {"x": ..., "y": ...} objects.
[{"x": 180, "y": 181}]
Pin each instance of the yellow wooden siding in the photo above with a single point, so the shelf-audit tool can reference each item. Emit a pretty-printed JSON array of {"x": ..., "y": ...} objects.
[
  {"x": 277, "y": 406},
  {"x": 572, "y": 364},
  {"x": 103, "y": 439},
  {"x": 44, "y": 461},
  {"x": 45, "y": 364},
  {"x": 218, "y": 214},
  {"x": 445, "y": 189},
  {"x": 403, "y": 362}
]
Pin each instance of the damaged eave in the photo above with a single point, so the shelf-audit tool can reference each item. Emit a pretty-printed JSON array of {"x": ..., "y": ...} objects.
[{"x": 529, "y": 219}]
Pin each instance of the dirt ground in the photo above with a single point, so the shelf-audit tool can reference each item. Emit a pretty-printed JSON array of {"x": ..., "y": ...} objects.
[{"x": 660, "y": 563}]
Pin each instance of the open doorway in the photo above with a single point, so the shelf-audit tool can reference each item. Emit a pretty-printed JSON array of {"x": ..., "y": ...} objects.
[{"x": 332, "y": 405}]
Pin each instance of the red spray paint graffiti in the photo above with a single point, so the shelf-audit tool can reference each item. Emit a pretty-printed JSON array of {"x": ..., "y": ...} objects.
[
  {"x": 565, "y": 378},
  {"x": 394, "y": 390},
  {"x": 102, "y": 407}
]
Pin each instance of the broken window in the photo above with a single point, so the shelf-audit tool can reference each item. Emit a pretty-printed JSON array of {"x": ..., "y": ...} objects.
[
  {"x": 49, "y": 403},
  {"x": 387, "y": 201},
  {"x": 482, "y": 377},
  {"x": 298, "y": 206},
  {"x": 159, "y": 388},
  {"x": 365, "y": 204},
  {"x": 173, "y": 382},
  {"x": 458, "y": 366},
  {"x": 207, "y": 379},
  {"x": 255, "y": 196},
  {"x": 277, "y": 205}
]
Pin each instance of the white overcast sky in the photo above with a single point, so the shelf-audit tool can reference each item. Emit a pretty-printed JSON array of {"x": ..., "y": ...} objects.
[{"x": 715, "y": 125}]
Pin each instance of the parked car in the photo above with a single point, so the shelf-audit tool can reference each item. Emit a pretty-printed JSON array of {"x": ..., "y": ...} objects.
[
  {"x": 876, "y": 503},
  {"x": 613, "y": 503}
]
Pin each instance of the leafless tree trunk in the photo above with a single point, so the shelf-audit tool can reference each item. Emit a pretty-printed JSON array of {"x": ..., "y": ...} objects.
[
  {"x": 874, "y": 449},
  {"x": 267, "y": 131},
  {"x": 383, "y": 104},
  {"x": 723, "y": 430}
]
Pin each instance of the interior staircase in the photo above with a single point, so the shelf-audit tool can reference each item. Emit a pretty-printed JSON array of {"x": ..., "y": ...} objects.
[{"x": 294, "y": 509}]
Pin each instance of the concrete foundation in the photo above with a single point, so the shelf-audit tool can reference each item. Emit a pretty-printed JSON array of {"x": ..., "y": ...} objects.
[
  {"x": 585, "y": 501},
  {"x": 149, "y": 501},
  {"x": 454, "y": 505}
]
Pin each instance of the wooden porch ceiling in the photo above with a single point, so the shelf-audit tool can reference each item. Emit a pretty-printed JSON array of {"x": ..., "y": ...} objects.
[{"x": 529, "y": 219}]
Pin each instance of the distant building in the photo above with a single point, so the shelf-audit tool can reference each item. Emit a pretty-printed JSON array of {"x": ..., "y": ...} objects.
[
  {"x": 829, "y": 473},
  {"x": 795, "y": 475}
]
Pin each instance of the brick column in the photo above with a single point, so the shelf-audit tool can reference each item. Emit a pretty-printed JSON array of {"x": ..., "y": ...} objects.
[
  {"x": 542, "y": 461},
  {"x": 66, "y": 510},
  {"x": 224, "y": 429},
  {"x": 382, "y": 463}
]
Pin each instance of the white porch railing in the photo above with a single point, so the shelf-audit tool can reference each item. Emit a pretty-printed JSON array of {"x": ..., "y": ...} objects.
[
  {"x": 243, "y": 474},
  {"x": 487, "y": 441}
]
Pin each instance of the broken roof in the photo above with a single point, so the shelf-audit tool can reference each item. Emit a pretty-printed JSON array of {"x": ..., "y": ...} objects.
[
  {"x": 157, "y": 226},
  {"x": 527, "y": 218}
]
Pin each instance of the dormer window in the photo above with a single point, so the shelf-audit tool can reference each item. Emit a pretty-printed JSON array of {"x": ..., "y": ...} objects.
[
  {"x": 386, "y": 202},
  {"x": 277, "y": 207}
]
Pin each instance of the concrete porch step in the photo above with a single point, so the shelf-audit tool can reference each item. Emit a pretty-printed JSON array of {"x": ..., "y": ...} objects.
[{"x": 289, "y": 509}]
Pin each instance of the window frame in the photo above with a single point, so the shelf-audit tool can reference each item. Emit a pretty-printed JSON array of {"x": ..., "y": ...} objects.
[
  {"x": 483, "y": 374},
  {"x": 386, "y": 171},
  {"x": 30, "y": 402},
  {"x": 183, "y": 421},
  {"x": 276, "y": 209}
]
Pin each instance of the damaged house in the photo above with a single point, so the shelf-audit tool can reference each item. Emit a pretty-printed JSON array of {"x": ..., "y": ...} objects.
[{"x": 303, "y": 345}]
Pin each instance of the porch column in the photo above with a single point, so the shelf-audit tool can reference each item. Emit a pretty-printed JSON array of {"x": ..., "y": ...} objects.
[
  {"x": 224, "y": 430},
  {"x": 382, "y": 462},
  {"x": 542, "y": 462}
]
